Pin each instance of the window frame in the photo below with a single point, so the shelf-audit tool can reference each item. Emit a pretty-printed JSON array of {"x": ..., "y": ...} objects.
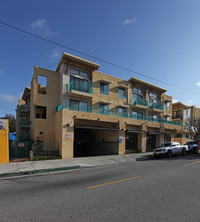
[
  {"x": 106, "y": 88},
  {"x": 102, "y": 108},
  {"x": 124, "y": 93},
  {"x": 77, "y": 102},
  {"x": 136, "y": 94}
]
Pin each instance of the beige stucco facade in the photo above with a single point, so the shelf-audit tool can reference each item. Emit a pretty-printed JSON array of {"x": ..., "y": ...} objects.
[
  {"x": 88, "y": 112},
  {"x": 188, "y": 116}
]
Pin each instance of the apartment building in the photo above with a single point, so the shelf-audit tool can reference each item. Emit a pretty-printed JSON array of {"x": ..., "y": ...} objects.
[
  {"x": 89, "y": 113},
  {"x": 189, "y": 118}
]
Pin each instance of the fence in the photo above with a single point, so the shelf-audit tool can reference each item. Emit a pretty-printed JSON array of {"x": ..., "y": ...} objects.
[
  {"x": 45, "y": 149},
  {"x": 19, "y": 149}
]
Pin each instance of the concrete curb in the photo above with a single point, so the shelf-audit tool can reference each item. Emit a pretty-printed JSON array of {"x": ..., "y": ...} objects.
[{"x": 39, "y": 171}]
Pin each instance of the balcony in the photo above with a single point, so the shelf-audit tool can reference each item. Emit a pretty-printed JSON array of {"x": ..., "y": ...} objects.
[
  {"x": 140, "y": 103},
  {"x": 24, "y": 124},
  {"x": 24, "y": 109},
  {"x": 90, "y": 109},
  {"x": 79, "y": 90},
  {"x": 156, "y": 107}
]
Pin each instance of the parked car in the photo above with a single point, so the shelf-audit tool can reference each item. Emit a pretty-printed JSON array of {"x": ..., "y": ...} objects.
[
  {"x": 170, "y": 148},
  {"x": 193, "y": 146}
]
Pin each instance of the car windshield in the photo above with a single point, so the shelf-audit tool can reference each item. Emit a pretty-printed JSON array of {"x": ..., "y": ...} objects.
[{"x": 165, "y": 145}]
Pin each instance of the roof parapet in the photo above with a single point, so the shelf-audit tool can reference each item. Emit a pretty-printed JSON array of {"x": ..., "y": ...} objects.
[{"x": 69, "y": 57}]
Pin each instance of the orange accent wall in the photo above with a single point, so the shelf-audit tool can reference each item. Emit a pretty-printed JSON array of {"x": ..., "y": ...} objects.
[{"x": 4, "y": 145}]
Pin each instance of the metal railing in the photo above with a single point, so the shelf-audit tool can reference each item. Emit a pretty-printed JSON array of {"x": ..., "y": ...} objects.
[
  {"x": 156, "y": 106},
  {"x": 90, "y": 109},
  {"x": 24, "y": 108},
  {"x": 78, "y": 86},
  {"x": 122, "y": 97},
  {"x": 24, "y": 123},
  {"x": 141, "y": 102}
]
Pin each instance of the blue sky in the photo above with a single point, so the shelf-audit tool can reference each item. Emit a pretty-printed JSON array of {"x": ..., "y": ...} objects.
[{"x": 155, "y": 37}]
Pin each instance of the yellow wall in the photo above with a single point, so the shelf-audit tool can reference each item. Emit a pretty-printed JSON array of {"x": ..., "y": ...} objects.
[{"x": 4, "y": 158}]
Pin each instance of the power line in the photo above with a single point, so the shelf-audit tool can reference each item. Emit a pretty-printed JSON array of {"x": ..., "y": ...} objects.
[{"x": 93, "y": 57}]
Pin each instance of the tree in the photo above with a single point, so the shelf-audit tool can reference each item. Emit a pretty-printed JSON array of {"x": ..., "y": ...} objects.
[
  {"x": 193, "y": 126},
  {"x": 12, "y": 122}
]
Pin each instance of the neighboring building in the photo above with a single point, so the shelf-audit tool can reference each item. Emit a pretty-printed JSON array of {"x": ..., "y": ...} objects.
[
  {"x": 189, "y": 118},
  {"x": 91, "y": 113}
]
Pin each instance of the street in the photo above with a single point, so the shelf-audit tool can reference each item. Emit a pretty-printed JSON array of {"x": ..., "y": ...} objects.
[{"x": 151, "y": 190}]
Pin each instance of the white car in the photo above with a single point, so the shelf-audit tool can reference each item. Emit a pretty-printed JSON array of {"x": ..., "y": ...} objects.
[{"x": 170, "y": 148}]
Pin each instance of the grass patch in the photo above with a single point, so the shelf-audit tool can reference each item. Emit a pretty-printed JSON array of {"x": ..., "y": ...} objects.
[
  {"x": 37, "y": 158},
  {"x": 132, "y": 151}
]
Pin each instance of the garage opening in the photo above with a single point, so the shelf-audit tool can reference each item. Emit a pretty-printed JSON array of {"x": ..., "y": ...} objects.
[
  {"x": 151, "y": 142},
  {"x": 95, "y": 138},
  {"x": 131, "y": 141}
]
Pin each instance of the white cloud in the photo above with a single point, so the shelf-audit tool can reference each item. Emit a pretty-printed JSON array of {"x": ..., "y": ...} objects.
[
  {"x": 189, "y": 101},
  {"x": 129, "y": 21},
  {"x": 2, "y": 73},
  {"x": 56, "y": 53},
  {"x": 174, "y": 100},
  {"x": 41, "y": 27},
  {"x": 198, "y": 84},
  {"x": 9, "y": 99}
]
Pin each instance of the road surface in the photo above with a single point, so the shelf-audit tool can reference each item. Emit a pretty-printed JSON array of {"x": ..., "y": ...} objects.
[{"x": 152, "y": 190}]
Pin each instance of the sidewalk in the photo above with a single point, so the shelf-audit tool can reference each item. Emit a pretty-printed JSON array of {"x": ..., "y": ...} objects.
[{"x": 33, "y": 167}]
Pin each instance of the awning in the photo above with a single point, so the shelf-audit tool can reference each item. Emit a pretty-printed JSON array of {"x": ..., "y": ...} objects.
[
  {"x": 155, "y": 133},
  {"x": 134, "y": 131},
  {"x": 96, "y": 128}
]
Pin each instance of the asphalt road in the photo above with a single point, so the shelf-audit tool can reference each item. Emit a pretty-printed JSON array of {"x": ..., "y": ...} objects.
[{"x": 153, "y": 190}]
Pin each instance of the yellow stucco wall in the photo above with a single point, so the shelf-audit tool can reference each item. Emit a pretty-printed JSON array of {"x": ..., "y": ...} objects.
[{"x": 4, "y": 151}]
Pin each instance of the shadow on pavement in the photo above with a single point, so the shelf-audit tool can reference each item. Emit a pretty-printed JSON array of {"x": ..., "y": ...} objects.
[{"x": 189, "y": 156}]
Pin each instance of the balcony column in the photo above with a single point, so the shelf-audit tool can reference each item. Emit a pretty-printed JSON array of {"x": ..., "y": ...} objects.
[
  {"x": 67, "y": 142},
  {"x": 159, "y": 139},
  {"x": 122, "y": 139},
  {"x": 142, "y": 139},
  {"x": 130, "y": 95},
  {"x": 146, "y": 113}
]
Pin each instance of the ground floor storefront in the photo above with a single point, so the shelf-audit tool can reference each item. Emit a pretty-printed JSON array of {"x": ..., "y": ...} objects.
[{"x": 96, "y": 135}]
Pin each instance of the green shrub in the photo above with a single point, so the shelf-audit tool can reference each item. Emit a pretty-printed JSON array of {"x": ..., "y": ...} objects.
[
  {"x": 37, "y": 158},
  {"x": 38, "y": 145},
  {"x": 132, "y": 151}
]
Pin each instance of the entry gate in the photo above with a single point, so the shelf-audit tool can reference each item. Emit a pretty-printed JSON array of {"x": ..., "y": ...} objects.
[{"x": 19, "y": 149}]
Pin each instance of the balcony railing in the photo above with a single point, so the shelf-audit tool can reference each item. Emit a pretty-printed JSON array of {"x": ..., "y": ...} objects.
[
  {"x": 141, "y": 102},
  {"x": 25, "y": 108},
  {"x": 156, "y": 106},
  {"x": 24, "y": 123},
  {"x": 90, "y": 109},
  {"x": 78, "y": 86}
]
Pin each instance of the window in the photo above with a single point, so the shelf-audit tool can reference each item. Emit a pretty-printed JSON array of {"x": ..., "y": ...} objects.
[
  {"x": 78, "y": 72},
  {"x": 166, "y": 118},
  {"x": 104, "y": 88},
  {"x": 122, "y": 93},
  {"x": 167, "y": 106},
  {"x": 187, "y": 113},
  {"x": 42, "y": 83},
  {"x": 153, "y": 98},
  {"x": 79, "y": 84},
  {"x": 138, "y": 90},
  {"x": 138, "y": 93},
  {"x": 137, "y": 115},
  {"x": 41, "y": 112},
  {"x": 78, "y": 105},
  {"x": 122, "y": 111},
  {"x": 104, "y": 108},
  {"x": 153, "y": 116}
]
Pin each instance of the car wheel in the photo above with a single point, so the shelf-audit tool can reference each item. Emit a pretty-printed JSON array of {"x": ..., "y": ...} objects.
[
  {"x": 169, "y": 154},
  {"x": 155, "y": 156},
  {"x": 195, "y": 151},
  {"x": 183, "y": 152}
]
